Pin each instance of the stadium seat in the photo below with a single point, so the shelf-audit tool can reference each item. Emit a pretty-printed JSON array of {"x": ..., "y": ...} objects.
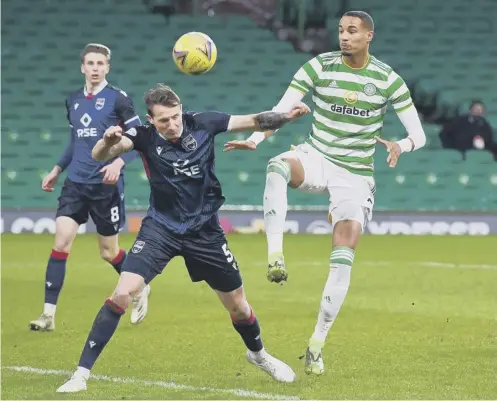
[{"x": 252, "y": 72}]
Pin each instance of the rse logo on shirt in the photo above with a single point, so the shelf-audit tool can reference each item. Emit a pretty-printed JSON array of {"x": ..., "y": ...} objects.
[
  {"x": 89, "y": 116},
  {"x": 182, "y": 167}
]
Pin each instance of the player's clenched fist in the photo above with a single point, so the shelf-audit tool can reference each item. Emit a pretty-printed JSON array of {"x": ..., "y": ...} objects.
[
  {"x": 113, "y": 135},
  {"x": 299, "y": 110}
]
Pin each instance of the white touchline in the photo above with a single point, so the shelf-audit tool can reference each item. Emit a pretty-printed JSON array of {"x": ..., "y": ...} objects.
[
  {"x": 168, "y": 385},
  {"x": 450, "y": 265},
  {"x": 433, "y": 264},
  {"x": 326, "y": 263}
]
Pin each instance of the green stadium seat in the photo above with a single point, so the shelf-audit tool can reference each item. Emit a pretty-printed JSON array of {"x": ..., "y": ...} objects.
[{"x": 253, "y": 70}]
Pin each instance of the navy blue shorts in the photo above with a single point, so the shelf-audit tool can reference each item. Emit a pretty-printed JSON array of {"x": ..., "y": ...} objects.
[
  {"x": 104, "y": 203},
  {"x": 206, "y": 254}
]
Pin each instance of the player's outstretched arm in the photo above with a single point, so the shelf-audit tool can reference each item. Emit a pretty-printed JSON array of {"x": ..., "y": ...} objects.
[
  {"x": 111, "y": 145},
  {"x": 291, "y": 98},
  {"x": 303, "y": 81},
  {"x": 266, "y": 121}
]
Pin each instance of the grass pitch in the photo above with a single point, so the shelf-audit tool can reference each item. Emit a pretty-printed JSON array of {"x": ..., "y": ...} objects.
[{"x": 419, "y": 322}]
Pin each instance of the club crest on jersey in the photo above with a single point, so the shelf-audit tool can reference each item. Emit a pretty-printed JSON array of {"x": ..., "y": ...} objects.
[
  {"x": 138, "y": 246},
  {"x": 132, "y": 132},
  {"x": 189, "y": 143},
  {"x": 370, "y": 89},
  {"x": 350, "y": 97},
  {"x": 99, "y": 103}
]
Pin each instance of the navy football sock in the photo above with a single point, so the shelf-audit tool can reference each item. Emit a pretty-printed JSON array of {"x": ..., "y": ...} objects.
[
  {"x": 250, "y": 332},
  {"x": 103, "y": 328},
  {"x": 54, "y": 277}
]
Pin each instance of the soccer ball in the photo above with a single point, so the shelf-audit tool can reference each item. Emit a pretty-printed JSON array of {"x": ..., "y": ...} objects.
[{"x": 195, "y": 53}]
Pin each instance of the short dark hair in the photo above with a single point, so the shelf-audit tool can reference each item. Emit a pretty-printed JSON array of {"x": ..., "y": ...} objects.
[
  {"x": 95, "y": 48},
  {"x": 475, "y": 102},
  {"x": 162, "y": 95},
  {"x": 363, "y": 16}
]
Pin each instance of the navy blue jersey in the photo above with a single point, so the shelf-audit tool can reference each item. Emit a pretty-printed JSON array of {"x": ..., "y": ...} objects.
[
  {"x": 89, "y": 116},
  {"x": 185, "y": 194}
]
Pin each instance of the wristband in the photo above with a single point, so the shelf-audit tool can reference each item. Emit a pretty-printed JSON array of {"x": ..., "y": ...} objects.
[
  {"x": 257, "y": 137},
  {"x": 406, "y": 145}
]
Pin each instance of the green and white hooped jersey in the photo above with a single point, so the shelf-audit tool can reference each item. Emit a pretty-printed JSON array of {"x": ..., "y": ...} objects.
[{"x": 349, "y": 107}]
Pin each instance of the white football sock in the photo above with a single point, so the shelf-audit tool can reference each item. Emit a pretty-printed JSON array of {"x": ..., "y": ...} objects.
[
  {"x": 49, "y": 309},
  {"x": 334, "y": 291},
  {"x": 84, "y": 372},
  {"x": 275, "y": 205}
]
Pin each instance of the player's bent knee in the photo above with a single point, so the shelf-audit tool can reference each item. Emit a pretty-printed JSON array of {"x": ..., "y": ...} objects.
[
  {"x": 108, "y": 254},
  {"x": 109, "y": 247},
  {"x": 129, "y": 285},
  {"x": 62, "y": 247},
  {"x": 63, "y": 243},
  {"x": 280, "y": 166},
  {"x": 289, "y": 166},
  {"x": 236, "y": 303},
  {"x": 240, "y": 311},
  {"x": 65, "y": 232},
  {"x": 121, "y": 298}
]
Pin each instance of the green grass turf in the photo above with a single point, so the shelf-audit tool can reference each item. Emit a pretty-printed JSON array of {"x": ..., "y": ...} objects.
[{"x": 408, "y": 329}]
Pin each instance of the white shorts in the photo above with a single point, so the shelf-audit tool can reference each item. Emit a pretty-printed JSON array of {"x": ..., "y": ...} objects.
[{"x": 351, "y": 195}]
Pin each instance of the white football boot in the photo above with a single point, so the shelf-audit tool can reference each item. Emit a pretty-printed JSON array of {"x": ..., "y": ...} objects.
[
  {"x": 140, "y": 306},
  {"x": 43, "y": 323},
  {"x": 277, "y": 369},
  {"x": 75, "y": 384}
]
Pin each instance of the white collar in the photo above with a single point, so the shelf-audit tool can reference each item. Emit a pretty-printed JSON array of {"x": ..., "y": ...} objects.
[{"x": 98, "y": 89}]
